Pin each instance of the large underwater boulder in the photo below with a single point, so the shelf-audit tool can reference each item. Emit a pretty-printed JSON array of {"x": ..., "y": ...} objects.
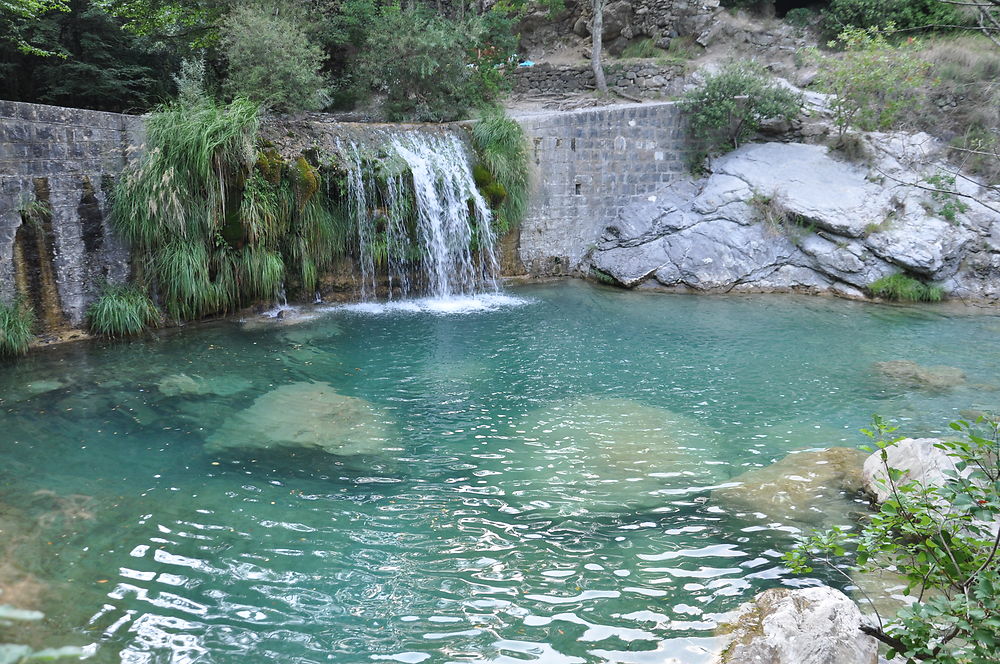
[
  {"x": 184, "y": 385},
  {"x": 306, "y": 415},
  {"x": 909, "y": 374},
  {"x": 804, "y": 626},
  {"x": 601, "y": 454},
  {"x": 804, "y": 487}
]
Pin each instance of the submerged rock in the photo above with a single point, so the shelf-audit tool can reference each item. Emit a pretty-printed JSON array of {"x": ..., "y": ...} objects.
[
  {"x": 915, "y": 376},
  {"x": 804, "y": 487},
  {"x": 307, "y": 415},
  {"x": 183, "y": 384},
  {"x": 600, "y": 454},
  {"x": 803, "y": 626}
]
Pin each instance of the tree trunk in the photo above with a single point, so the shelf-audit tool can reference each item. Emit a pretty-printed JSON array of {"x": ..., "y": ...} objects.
[{"x": 596, "y": 28}]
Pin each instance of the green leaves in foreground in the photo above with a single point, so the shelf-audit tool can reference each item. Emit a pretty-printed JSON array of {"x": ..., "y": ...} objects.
[
  {"x": 943, "y": 539},
  {"x": 903, "y": 288},
  {"x": 122, "y": 310},
  {"x": 16, "y": 322}
]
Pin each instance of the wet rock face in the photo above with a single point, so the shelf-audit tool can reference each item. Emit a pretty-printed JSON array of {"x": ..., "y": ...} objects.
[
  {"x": 804, "y": 626},
  {"x": 812, "y": 487},
  {"x": 789, "y": 216}
]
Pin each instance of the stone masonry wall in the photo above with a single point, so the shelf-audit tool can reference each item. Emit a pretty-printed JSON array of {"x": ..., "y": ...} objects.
[
  {"x": 588, "y": 166},
  {"x": 56, "y": 168},
  {"x": 642, "y": 79}
]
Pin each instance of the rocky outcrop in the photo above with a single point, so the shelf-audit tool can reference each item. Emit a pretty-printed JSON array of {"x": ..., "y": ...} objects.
[
  {"x": 790, "y": 216},
  {"x": 804, "y": 626}
]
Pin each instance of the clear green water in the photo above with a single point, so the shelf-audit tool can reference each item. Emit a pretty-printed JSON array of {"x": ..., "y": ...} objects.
[{"x": 541, "y": 495}]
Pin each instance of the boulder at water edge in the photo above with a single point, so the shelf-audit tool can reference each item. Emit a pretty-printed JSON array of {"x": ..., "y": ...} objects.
[
  {"x": 803, "y": 626},
  {"x": 919, "y": 460},
  {"x": 804, "y": 487},
  {"x": 305, "y": 415}
]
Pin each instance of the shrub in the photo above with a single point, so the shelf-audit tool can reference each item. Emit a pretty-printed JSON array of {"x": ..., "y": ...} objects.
[
  {"x": 16, "y": 322},
  {"x": 942, "y": 540},
  {"x": 903, "y": 288},
  {"x": 122, "y": 310},
  {"x": 800, "y": 17},
  {"x": 904, "y": 14},
  {"x": 872, "y": 80},
  {"x": 430, "y": 68},
  {"x": 271, "y": 60},
  {"x": 502, "y": 151},
  {"x": 730, "y": 106}
]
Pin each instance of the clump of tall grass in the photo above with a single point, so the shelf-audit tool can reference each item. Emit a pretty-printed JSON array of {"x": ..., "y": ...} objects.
[
  {"x": 17, "y": 321},
  {"x": 904, "y": 288},
  {"x": 122, "y": 310},
  {"x": 502, "y": 151}
]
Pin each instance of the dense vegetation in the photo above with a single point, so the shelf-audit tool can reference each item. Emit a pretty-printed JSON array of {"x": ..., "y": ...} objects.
[{"x": 124, "y": 55}]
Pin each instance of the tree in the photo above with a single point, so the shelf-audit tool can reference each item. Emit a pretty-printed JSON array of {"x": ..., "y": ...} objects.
[
  {"x": 596, "y": 37},
  {"x": 17, "y": 15},
  {"x": 271, "y": 60},
  {"x": 731, "y": 105},
  {"x": 872, "y": 80},
  {"x": 944, "y": 540},
  {"x": 97, "y": 64},
  {"x": 987, "y": 16}
]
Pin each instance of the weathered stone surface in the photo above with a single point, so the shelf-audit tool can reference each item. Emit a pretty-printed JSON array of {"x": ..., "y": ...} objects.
[
  {"x": 305, "y": 416},
  {"x": 803, "y": 626},
  {"x": 805, "y": 487},
  {"x": 919, "y": 460},
  {"x": 911, "y": 375},
  {"x": 787, "y": 216}
]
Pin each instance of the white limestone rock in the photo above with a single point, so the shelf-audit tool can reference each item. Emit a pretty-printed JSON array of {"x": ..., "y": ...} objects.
[
  {"x": 919, "y": 460},
  {"x": 804, "y": 626}
]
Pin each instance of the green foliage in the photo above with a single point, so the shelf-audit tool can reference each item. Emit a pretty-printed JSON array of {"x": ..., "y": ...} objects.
[
  {"x": 271, "y": 59},
  {"x": 941, "y": 539},
  {"x": 904, "y": 14},
  {"x": 17, "y": 15},
  {"x": 800, "y": 17},
  {"x": 873, "y": 81},
  {"x": 904, "y": 288},
  {"x": 502, "y": 171},
  {"x": 731, "y": 104},
  {"x": 97, "y": 65},
  {"x": 978, "y": 151},
  {"x": 429, "y": 68},
  {"x": 16, "y": 322},
  {"x": 122, "y": 310},
  {"x": 944, "y": 193}
]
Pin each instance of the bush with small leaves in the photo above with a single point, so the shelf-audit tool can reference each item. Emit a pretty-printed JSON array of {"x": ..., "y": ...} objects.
[
  {"x": 944, "y": 539},
  {"x": 730, "y": 106}
]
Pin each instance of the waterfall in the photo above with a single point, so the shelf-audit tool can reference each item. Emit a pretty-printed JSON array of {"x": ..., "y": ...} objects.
[{"x": 450, "y": 250}]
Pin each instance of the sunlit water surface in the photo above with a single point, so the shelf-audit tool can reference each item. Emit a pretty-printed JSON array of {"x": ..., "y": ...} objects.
[{"x": 542, "y": 492}]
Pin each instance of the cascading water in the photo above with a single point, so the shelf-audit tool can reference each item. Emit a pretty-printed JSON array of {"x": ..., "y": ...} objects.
[{"x": 451, "y": 251}]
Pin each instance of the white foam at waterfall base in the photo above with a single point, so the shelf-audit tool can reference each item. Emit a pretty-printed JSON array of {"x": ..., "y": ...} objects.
[{"x": 458, "y": 305}]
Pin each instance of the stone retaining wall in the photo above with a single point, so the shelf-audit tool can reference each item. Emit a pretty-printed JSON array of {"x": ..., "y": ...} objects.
[
  {"x": 588, "y": 166},
  {"x": 56, "y": 167},
  {"x": 641, "y": 79}
]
